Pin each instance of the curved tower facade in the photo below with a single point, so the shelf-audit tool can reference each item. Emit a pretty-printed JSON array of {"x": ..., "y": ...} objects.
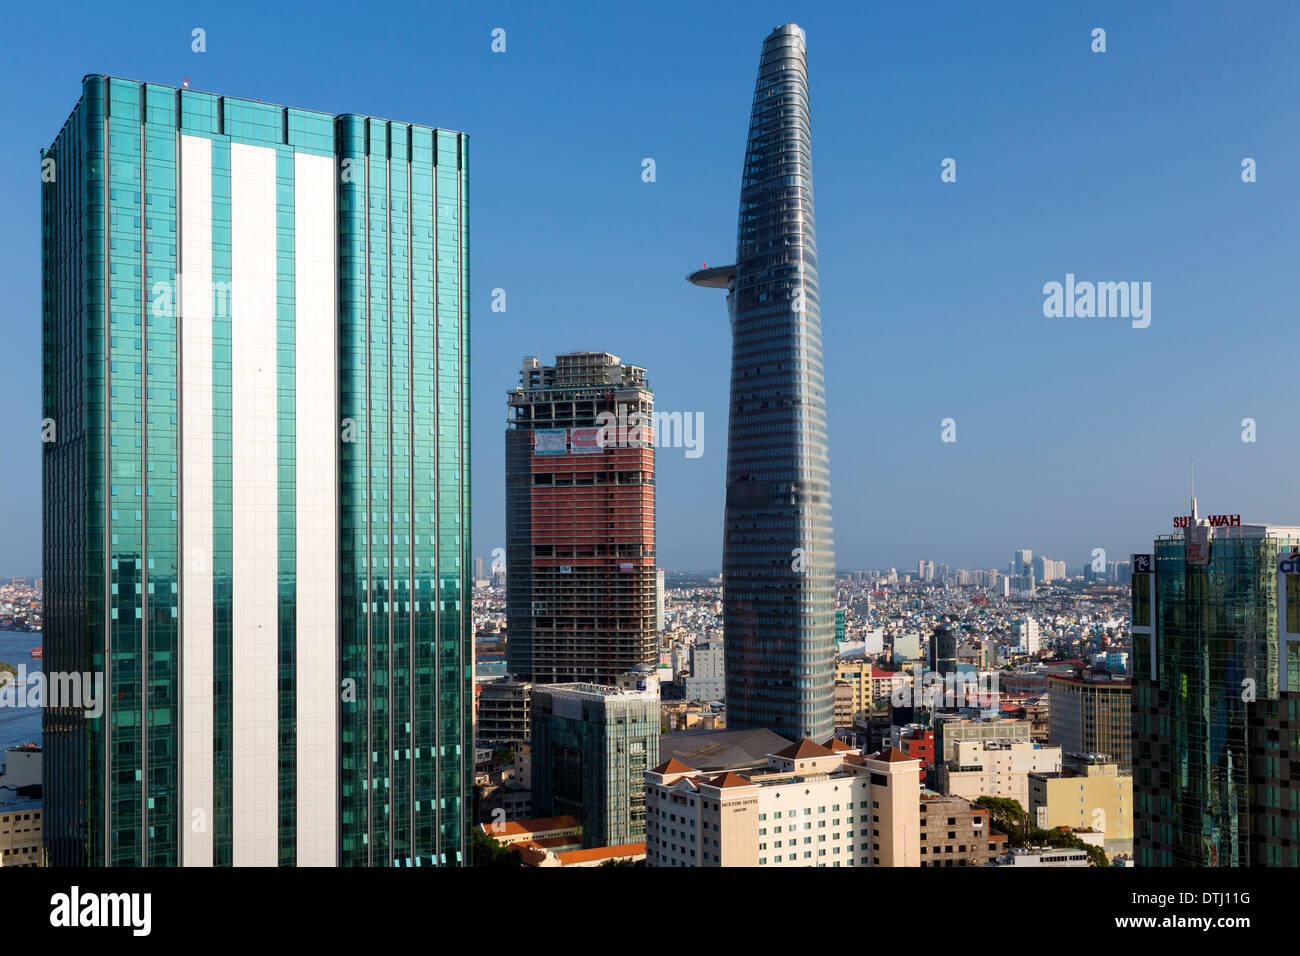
[{"x": 778, "y": 550}]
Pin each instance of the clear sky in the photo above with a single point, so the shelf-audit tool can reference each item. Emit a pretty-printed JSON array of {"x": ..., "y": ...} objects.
[{"x": 1072, "y": 433}]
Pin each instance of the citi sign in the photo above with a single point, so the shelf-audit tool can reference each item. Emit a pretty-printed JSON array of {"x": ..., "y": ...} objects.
[{"x": 1216, "y": 521}]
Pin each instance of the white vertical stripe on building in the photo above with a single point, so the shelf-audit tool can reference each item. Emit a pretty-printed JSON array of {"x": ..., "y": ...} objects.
[
  {"x": 316, "y": 418},
  {"x": 253, "y": 423},
  {"x": 195, "y": 303}
]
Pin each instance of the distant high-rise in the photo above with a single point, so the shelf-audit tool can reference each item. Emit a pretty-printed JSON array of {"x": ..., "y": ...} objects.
[
  {"x": 580, "y": 520},
  {"x": 1216, "y": 691},
  {"x": 778, "y": 557},
  {"x": 256, "y": 506}
]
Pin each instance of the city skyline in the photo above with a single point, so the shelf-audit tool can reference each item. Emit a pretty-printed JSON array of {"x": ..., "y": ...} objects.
[{"x": 1048, "y": 447}]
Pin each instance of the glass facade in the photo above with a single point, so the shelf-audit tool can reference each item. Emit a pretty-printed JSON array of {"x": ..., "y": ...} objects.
[
  {"x": 117, "y": 489},
  {"x": 1213, "y": 732},
  {"x": 591, "y": 747},
  {"x": 778, "y": 558}
]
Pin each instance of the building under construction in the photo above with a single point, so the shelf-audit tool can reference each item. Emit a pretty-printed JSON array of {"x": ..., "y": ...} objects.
[{"x": 580, "y": 520}]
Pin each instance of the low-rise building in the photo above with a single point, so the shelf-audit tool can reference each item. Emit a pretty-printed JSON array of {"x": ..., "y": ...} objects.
[
  {"x": 982, "y": 768},
  {"x": 20, "y": 833},
  {"x": 812, "y": 805},
  {"x": 955, "y": 832},
  {"x": 1091, "y": 793}
]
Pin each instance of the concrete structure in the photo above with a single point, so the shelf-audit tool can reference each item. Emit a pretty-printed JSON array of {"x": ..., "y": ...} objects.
[
  {"x": 983, "y": 768},
  {"x": 1092, "y": 713},
  {"x": 20, "y": 834},
  {"x": 504, "y": 710},
  {"x": 950, "y": 730},
  {"x": 856, "y": 672},
  {"x": 955, "y": 832},
  {"x": 708, "y": 672},
  {"x": 591, "y": 747},
  {"x": 1035, "y": 857},
  {"x": 580, "y": 520},
  {"x": 778, "y": 560},
  {"x": 1026, "y": 633},
  {"x": 1092, "y": 794},
  {"x": 812, "y": 805}
]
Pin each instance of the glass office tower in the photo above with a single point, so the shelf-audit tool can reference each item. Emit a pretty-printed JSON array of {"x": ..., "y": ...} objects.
[
  {"x": 778, "y": 557},
  {"x": 256, "y": 499},
  {"x": 1216, "y": 754}
]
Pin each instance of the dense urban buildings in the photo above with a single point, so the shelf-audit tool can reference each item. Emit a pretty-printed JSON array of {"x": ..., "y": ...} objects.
[
  {"x": 1216, "y": 695},
  {"x": 778, "y": 561},
  {"x": 257, "y": 511},
  {"x": 580, "y": 520}
]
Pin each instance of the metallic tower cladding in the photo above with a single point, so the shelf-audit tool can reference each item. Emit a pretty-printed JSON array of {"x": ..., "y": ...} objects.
[
  {"x": 778, "y": 551},
  {"x": 580, "y": 520}
]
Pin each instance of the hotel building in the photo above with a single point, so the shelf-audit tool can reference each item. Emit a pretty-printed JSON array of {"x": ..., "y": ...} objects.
[{"x": 812, "y": 805}]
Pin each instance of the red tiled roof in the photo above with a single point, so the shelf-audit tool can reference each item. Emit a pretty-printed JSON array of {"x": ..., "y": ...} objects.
[
  {"x": 835, "y": 745},
  {"x": 804, "y": 750},
  {"x": 673, "y": 765},
  {"x": 724, "y": 780},
  {"x": 569, "y": 857},
  {"x": 519, "y": 827}
]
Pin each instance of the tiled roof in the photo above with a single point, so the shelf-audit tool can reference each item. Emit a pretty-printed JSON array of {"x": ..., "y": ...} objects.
[
  {"x": 673, "y": 765},
  {"x": 804, "y": 750},
  {"x": 729, "y": 779}
]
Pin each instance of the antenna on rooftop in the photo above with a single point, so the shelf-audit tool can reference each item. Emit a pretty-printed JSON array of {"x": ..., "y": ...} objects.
[{"x": 1192, "y": 466}]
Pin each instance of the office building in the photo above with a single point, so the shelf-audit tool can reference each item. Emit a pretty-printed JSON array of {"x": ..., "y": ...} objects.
[
  {"x": 1089, "y": 792},
  {"x": 1216, "y": 693},
  {"x": 256, "y": 508},
  {"x": 778, "y": 561},
  {"x": 580, "y": 520},
  {"x": 943, "y": 650},
  {"x": 708, "y": 671},
  {"x": 591, "y": 747},
  {"x": 1092, "y": 713}
]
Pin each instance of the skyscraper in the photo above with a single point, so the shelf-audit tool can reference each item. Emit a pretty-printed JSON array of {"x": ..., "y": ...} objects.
[
  {"x": 1216, "y": 693},
  {"x": 256, "y": 501},
  {"x": 580, "y": 520},
  {"x": 778, "y": 557}
]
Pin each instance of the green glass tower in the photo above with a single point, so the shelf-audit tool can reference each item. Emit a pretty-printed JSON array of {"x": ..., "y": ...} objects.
[
  {"x": 1216, "y": 696},
  {"x": 256, "y": 483}
]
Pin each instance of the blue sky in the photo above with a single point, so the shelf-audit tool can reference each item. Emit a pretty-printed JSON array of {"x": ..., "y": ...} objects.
[{"x": 1125, "y": 165}]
